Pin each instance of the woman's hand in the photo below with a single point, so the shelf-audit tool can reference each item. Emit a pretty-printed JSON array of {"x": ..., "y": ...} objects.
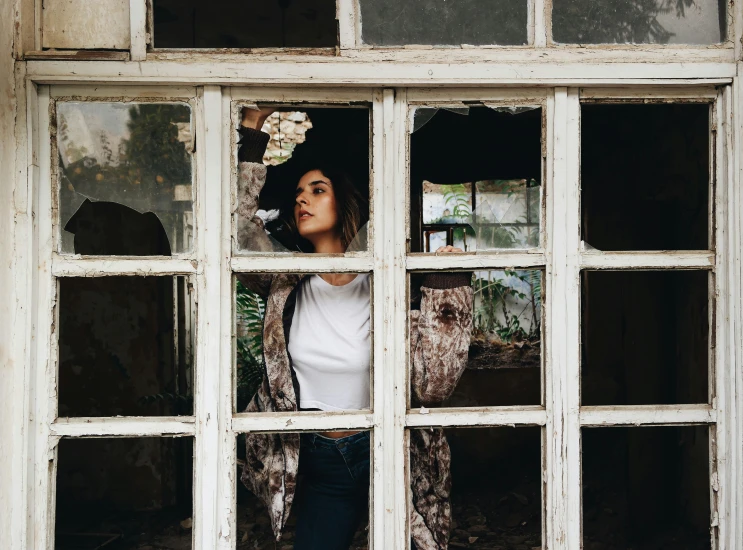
[
  {"x": 448, "y": 248},
  {"x": 254, "y": 118}
]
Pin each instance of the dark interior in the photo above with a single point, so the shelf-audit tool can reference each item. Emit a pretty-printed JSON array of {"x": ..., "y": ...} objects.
[
  {"x": 124, "y": 494},
  {"x": 236, "y": 24},
  {"x": 645, "y": 337},
  {"x": 646, "y": 488},
  {"x": 645, "y": 176}
]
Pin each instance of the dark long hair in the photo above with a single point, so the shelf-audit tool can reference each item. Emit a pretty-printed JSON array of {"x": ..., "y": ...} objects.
[{"x": 352, "y": 207}]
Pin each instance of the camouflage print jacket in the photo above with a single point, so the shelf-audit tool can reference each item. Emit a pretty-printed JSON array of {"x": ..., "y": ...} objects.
[{"x": 439, "y": 342}]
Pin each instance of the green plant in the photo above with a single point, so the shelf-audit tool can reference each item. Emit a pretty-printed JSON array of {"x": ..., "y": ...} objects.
[
  {"x": 492, "y": 312},
  {"x": 250, "y": 309}
]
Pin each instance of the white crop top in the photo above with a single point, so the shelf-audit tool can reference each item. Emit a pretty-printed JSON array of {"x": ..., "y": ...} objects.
[{"x": 329, "y": 344}]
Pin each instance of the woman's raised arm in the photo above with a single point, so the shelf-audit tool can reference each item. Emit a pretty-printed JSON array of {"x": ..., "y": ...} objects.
[{"x": 251, "y": 178}]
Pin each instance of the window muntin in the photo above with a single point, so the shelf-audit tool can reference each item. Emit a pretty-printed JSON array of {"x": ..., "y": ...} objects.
[{"x": 125, "y": 176}]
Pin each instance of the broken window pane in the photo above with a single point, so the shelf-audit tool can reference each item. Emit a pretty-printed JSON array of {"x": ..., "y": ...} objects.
[
  {"x": 645, "y": 176},
  {"x": 501, "y": 360},
  {"x": 126, "y": 346},
  {"x": 646, "y": 21},
  {"x": 331, "y": 499},
  {"x": 476, "y": 22},
  {"x": 125, "y": 178},
  {"x": 646, "y": 488},
  {"x": 325, "y": 326},
  {"x": 235, "y": 24},
  {"x": 332, "y": 142},
  {"x": 645, "y": 337},
  {"x": 124, "y": 493},
  {"x": 495, "y": 485},
  {"x": 485, "y": 196}
]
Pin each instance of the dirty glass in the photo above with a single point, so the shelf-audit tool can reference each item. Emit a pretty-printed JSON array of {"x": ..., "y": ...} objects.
[
  {"x": 475, "y": 177},
  {"x": 646, "y": 488},
  {"x": 126, "y": 346},
  {"x": 239, "y": 24},
  {"x": 333, "y": 140},
  {"x": 645, "y": 176},
  {"x": 503, "y": 363},
  {"x": 125, "y": 178},
  {"x": 329, "y": 337},
  {"x": 639, "y": 22},
  {"x": 476, "y": 22},
  {"x": 328, "y": 461},
  {"x": 124, "y": 493},
  {"x": 645, "y": 337},
  {"x": 495, "y": 485}
]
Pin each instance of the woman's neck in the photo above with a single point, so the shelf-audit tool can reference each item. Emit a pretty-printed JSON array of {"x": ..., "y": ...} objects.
[{"x": 330, "y": 244}]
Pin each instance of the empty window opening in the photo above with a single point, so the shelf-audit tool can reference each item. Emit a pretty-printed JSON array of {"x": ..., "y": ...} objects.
[
  {"x": 648, "y": 21},
  {"x": 646, "y": 488},
  {"x": 504, "y": 365},
  {"x": 484, "y": 196},
  {"x": 125, "y": 178},
  {"x": 235, "y": 24},
  {"x": 325, "y": 466},
  {"x": 126, "y": 346},
  {"x": 495, "y": 485},
  {"x": 476, "y": 22},
  {"x": 331, "y": 140},
  {"x": 124, "y": 493},
  {"x": 645, "y": 337},
  {"x": 645, "y": 176}
]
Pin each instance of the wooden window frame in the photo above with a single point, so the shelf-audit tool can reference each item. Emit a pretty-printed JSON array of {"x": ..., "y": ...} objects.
[{"x": 212, "y": 264}]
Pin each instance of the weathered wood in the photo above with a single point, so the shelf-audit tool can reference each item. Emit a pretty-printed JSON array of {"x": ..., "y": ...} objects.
[
  {"x": 122, "y": 426},
  {"x": 80, "y": 24}
]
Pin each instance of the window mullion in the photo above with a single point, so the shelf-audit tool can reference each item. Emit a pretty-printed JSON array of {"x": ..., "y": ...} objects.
[
  {"x": 563, "y": 335},
  {"x": 40, "y": 530},
  {"x": 208, "y": 222},
  {"x": 388, "y": 478}
]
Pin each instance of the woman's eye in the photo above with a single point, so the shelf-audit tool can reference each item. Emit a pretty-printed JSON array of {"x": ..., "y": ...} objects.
[{"x": 318, "y": 190}]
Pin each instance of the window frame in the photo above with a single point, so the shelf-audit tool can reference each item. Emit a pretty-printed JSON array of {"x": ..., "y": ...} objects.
[{"x": 561, "y": 417}]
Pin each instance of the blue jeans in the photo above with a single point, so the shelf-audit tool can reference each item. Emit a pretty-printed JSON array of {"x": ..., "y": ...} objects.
[{"x": 333, "y": 490}]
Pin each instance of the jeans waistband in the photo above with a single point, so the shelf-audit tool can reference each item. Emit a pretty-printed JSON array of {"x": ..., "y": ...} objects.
[{"x": 329, "y": 442}]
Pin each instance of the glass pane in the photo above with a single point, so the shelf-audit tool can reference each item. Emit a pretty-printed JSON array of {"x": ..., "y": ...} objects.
[
  {"x": 305, "y": 146},
  {"x": 236, "y": 24},
  {"x": 645, "y": 177},
  {"x": 646, "y": 21},
  {"x": 125, "y": 178},
  {"x": 499, "y": 363},
  {"x": 124, "y": 493},
  {"x": 493, "y": 481},
  {"x": 330, "y": 502},
  {"x": 476, "y": 22},
  {"x": 645, "y": 337},
  {"x": 646, "y": 488},
  {"x": 126, "y": 346},
  {"x": 326, "y": 322},
  {"x": 503, "y": 161}
]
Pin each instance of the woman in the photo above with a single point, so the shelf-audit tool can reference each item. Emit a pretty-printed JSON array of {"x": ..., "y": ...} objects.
[{"x": 316, "y": 349}]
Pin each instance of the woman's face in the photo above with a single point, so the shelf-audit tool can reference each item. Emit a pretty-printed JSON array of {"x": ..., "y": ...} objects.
[{"x": 315, "y": 211}]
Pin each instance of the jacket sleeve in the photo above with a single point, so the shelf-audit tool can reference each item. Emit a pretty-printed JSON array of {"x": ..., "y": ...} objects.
[
  {"x": 250, "y": 181},
  {"x": 440, "y": 336}
]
